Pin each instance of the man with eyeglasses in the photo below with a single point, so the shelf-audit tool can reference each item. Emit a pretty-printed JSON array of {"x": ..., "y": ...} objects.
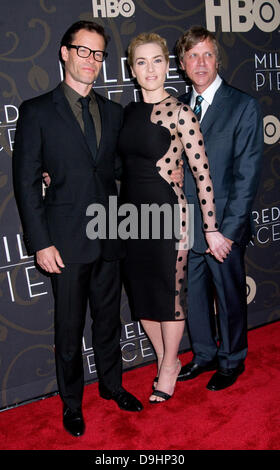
[{"x": 72, "y": 132}]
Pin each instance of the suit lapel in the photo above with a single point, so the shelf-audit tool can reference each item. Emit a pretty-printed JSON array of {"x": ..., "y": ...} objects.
[
  {"x": 64, "y": 110},
  {"x": 104, "y": 120},
  {"x": 215, "y": 108}
]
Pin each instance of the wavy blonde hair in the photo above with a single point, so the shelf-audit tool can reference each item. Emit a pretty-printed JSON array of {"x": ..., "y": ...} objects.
[{"x": 146, "y": 38}]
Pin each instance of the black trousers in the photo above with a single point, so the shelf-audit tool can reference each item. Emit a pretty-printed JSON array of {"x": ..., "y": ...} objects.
[
  {"x": 208, "y": 279},
  {"x": 99, "y": 284}
]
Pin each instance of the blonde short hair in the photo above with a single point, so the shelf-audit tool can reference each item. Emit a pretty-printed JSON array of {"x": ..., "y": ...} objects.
[{"x": 146, "y": 38}]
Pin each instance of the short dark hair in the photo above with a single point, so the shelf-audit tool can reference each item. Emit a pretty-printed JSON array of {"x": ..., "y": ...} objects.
[
  {"x": 192, "y": 37},
  {"x": 68, "y": 37}
]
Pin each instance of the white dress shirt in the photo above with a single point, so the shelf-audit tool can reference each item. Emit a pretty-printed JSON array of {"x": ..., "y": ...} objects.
[{"x": 208, "y": 95}]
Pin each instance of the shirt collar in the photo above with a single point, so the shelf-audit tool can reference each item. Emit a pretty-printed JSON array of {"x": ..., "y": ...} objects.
[
  {"x": 73, "y": 96},
  {"x": 209, "y": 93}
]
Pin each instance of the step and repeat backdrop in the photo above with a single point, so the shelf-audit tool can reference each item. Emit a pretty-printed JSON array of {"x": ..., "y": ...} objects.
[{"x": 30, "y": 33}]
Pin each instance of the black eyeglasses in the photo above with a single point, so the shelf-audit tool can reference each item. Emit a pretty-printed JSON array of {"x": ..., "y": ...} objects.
[{"x": 85, "y": 52}]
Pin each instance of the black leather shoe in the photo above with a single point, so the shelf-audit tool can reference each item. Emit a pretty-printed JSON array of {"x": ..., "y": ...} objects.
[
  {"x": 125, "y": 400},
  {"x": 73, "y": 422},
  {"x": 224, "y": 378},
  {"x": 192, "y": 370}
]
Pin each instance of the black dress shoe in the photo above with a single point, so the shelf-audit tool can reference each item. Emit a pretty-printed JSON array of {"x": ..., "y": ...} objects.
[
  {"x": 192, "y": 370},
  {"x": 125, "y": 400},
  {"x": 73, "y": 422},
  {"x": 224, "y": 378}
]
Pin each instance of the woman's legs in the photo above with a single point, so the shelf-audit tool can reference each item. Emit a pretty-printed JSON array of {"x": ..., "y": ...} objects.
[
  {"x": 153, "y": 331},
  {"x": 165, "y": 337}
]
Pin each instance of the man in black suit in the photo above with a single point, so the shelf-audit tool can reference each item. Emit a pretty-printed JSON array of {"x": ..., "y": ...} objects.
[
  {"x": 72, "y": 132},
  {"x": 231, "y": 124}
]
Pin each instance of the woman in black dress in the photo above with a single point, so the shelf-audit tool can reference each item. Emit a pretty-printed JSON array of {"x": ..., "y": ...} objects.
[{"x": 155, "y": 133}]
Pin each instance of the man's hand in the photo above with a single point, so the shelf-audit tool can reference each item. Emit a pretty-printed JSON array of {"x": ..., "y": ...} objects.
[
  {"x": 177, "y": 175},
  {"x": 218, "y": 245},
  {"x": 50, "y": 260},
  {"x": 229, "y": 241},
  {"x": 46, "y": 178}
]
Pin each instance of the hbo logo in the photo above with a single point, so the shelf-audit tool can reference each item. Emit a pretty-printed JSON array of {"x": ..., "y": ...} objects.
[
  {"x": 113, "y": 8},
  {"x": 271, "y": 126},
  {"x": 241, "y": 16},
  {"x": 251, "y": 289}
]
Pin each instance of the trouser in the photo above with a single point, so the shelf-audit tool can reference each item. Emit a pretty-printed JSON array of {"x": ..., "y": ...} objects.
[
  {"x": 99, "y": 284},
  {"x": 209, "y": 279}
]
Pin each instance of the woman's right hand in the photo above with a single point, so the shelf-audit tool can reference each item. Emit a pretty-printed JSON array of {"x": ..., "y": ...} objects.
[{"x": 218, "y": 245}]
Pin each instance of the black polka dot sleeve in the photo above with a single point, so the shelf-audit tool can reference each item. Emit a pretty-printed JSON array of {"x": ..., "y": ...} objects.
[{"x": 192, "y": 141}]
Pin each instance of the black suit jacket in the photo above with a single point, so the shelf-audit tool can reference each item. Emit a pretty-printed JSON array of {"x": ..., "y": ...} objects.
[
  {"x": 48, "y": 137},
  {"x": 233, "y": 136}
]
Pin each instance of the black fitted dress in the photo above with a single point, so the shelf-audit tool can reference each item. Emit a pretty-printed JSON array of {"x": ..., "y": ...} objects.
[{"x": 151, "y": 144}]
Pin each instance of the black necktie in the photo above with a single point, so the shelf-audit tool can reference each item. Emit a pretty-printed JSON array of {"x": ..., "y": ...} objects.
[
  {"x": 90, "y": 134},
  {"x": 197, "y": 107}
]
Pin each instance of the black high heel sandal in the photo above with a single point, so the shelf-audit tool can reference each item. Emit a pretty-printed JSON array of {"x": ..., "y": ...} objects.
[
  {"x": 159, "y": 393},
  {"x": 155, "y": 381}
]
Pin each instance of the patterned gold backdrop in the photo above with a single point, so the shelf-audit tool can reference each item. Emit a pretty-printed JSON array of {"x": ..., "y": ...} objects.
[{"x": 248, "y": 33}]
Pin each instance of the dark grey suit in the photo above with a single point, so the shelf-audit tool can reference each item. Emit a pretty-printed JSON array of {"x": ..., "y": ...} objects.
[{"x": 233, "y": 137}]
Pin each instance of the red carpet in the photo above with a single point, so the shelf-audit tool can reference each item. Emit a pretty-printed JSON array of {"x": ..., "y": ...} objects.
[{"x": 244, "y": 417}]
